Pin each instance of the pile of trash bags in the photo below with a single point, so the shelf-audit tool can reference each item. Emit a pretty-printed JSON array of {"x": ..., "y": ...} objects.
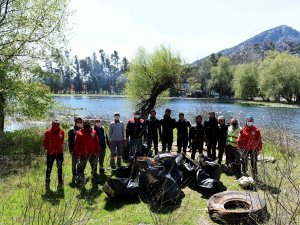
[{"x": 159, "y": 180}]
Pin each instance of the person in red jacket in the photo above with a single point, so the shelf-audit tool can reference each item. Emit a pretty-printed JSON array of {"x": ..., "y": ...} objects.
[
  {"x": 249, "y": 143},
  {"x": 53, "y": 143},
  {"x": 86, "y": 148}
]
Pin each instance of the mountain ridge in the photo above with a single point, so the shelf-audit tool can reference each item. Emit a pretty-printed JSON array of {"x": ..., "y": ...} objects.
[{"x": 281, "y": 38}]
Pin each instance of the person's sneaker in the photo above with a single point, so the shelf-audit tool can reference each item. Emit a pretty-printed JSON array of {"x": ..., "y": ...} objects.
[
  {"x": 113, "y": 167},
  {"x": 102, "y": 170}
]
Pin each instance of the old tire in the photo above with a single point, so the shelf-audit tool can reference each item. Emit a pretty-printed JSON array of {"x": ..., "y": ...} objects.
[{"x": 235, "y": 207}]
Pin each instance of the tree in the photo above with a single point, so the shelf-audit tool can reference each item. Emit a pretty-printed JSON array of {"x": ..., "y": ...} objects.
[
  {"x": 279, "y": 76},
  {"x": 221, "y": 77},
  {"x": 29, "y": 31},
  {"x": 245, "y": 81},
  {"x": 150, "y": 75}
]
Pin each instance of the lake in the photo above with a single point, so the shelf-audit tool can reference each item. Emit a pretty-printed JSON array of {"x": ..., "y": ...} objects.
[
  {"x": 267, "y": 117},
  {"x": 104, "y": 107}
]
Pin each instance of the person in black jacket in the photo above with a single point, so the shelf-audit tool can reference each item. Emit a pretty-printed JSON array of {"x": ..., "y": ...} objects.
[
  {"x": 182, "y": 126},
  {"x": 168, "y": 124},
  {"x": 136, "y": 133},
  {"x": 197, "y": 136},
  {"x": 222, "y": 137},
  {"x": 103, "y": 141},
  {"x": 211, "y": 132},
  {"x": 71, "y": 140},
  {"x": 153, "y": 126}
]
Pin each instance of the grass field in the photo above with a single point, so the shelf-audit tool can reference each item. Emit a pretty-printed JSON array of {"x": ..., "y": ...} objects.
[{"x": 23, "y": 198}]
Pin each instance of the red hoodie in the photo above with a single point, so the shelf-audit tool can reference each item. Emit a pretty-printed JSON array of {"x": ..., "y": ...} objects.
[
  {"x": 250, "y": 139},
  {"x": 86, "y": 143},
  {"x": 53, "y": 141}
]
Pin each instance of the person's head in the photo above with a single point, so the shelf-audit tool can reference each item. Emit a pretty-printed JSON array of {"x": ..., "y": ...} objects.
[
  {"x": 249, "y": 121},
  {"x": 198, "y": 119},
  {"x": 168, "y": 112},
  {"x": 55, "y": 125},
  {"x": 137, "y": 114},
  {"x": 117, "y": 116},
  {"x": 211, "y": 115},
  {"x": 152, "y": 113},
  {"x": 221, "y": 120},
  {"x": 87, "y": 124},
  {"x": 234, "y": 122},
  {"x": 181, "y": 116},
  {"x": 98, "y": 122},
  {"x": 78, "y": 122}
]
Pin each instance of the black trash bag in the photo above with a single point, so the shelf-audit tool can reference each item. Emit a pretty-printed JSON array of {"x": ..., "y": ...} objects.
[
  {"x": 210, "y": 186},
  {"x": 129, "y": 171},
  {"x": 189, "y": 169},
  {"x": 210, "y": 167},
  {"x": 158, "y": 187},
  {"x": 177, "y": 175},
  {"x": 201, "y": 176},
  {"x": 121, "y": 188},
  {"x": 179, "y": 160},
  {"x": 166, "y": 159},
  {"x": 142, "y": 151}
]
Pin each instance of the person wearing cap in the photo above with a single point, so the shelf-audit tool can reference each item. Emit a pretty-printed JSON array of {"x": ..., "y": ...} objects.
[
  {"x": 182, "y": 126},
  {"x": 234, "y": 157},
  {"x": 222, "y": 137},
  {"x": 136, "y": 134},
  {"x": 211, "y": 132},
  {"x": 86, "y": 148},
  {"x": 167, "y": 124},
  {"x": 71, "y": 140},
  {"x": 153, "y": 129},
  {"x": 116, "y": 139},
  {"x": 53, "y": 143},
  {"x": 103, "y": 141},
  {"x": 196, "y": 137},
  {"x": 250, "y": 144}
]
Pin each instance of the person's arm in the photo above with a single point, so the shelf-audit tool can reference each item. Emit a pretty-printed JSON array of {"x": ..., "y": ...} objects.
[
  {"x": 127, "y": 130},
  {"x": 110, "y": 132},
  {"x": 71, "y": 140},
  {"x": 46, "y": 141},
  {"x": 97, "y": 144}
]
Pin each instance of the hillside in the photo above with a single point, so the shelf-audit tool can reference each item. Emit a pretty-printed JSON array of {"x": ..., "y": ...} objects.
[{"x": 281, "y": 38}]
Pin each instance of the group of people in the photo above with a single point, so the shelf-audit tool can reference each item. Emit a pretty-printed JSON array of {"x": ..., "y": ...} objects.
[{"x": 87, "y": 143}]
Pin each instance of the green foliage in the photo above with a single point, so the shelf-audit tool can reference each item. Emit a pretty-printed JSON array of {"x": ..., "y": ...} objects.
[
  {"x": 279, "y": 76},
  {"x": 221, "y": 77},
  {"x": 245, "y": 81},
  {"x": 29, "y": 31},
  {"x": 151, "y": 74}
]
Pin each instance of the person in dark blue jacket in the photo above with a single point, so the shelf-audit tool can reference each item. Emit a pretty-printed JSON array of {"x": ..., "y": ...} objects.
[{"x": 104, "y": 142}]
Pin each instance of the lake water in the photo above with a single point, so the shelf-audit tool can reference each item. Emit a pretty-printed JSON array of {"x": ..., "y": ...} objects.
[
  {"x": 104, "y": 107},
  {"x": 267, "y": 117}
]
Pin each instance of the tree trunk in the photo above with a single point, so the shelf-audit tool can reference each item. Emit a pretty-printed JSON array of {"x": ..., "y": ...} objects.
[{"x": 2, "y": 114}]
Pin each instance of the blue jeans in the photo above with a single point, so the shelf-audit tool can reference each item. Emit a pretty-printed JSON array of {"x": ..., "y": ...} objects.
[{"x": 116, "y": 150}]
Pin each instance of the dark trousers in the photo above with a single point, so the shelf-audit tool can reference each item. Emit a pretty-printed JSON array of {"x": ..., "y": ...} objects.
[
  {"x": 74, "y": 164},
  {"x": 167, "y": 140},
  {"x": 182, "y": 143},
  {"x": 234, "y": 159},
  {"x": 50, "y": 161},
  {"x": 153, "y": 139},
  {"x": 221, "y": 147},
  {"x": 93, "y": 160},
  {"x": 101, "y": 156},
  {"x": 211, "y": 149},
  {"x": 196, "y": 145},
  {"x": 253, "y": 160}
]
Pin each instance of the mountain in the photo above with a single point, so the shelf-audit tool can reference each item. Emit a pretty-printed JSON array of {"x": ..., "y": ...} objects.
[{"x": 281, "y": 38}]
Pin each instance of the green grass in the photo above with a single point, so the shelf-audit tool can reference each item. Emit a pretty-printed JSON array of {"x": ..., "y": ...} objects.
[{"x": 24, "y": 200}]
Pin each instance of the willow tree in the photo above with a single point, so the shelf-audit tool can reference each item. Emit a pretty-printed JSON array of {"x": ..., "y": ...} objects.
[
  {"x": 30, "y": 31},
  {"x": 150, "y": 75}
]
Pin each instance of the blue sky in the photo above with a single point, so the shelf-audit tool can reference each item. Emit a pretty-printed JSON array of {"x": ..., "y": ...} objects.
[{"x": 192, "y": 28}]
